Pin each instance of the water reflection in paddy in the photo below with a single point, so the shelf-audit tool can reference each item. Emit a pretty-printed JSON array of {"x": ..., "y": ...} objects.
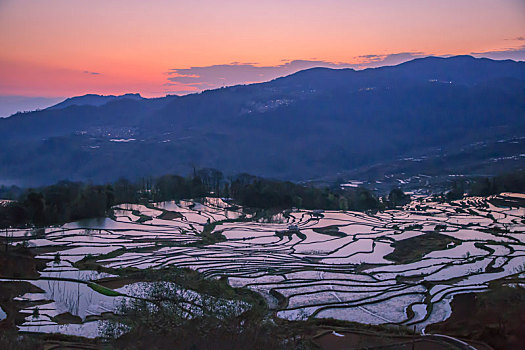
[{"x": 337, "y": 270}]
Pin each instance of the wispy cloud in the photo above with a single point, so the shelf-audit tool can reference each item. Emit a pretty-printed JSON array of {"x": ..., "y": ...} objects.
[
  {"x": 374, "y": 60},
  {"x": 187, "y": 80},
  {"x": 194, "y": 79},
  {"x": 516, "y": 54},
  {"x": 519, "y": 38},
  {"x": 208, "y": 77},
  {"x": 91, "y": 73}
]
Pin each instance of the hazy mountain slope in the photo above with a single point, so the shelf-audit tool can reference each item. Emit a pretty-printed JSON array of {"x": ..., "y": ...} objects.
[{"x": 313, "y": 123}]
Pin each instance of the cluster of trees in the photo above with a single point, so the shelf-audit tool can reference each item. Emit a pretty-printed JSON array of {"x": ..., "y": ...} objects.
[
  {"x": 202, "y": 183},
  {"x": 457, "y": 191},
  {"x": 255, "y": 192},
  {"x": 512, "y": 182},
  {"x": 62, "y": 202},
  {"x": 396, "y": 197},
  {"x": 262, "y": 193},
  {"x": 486, "y": 186},
  {"x": 69, "y": 201}
]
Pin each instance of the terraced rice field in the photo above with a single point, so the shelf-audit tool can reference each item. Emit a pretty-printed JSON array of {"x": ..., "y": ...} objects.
[{"x": 390, "y": 267}]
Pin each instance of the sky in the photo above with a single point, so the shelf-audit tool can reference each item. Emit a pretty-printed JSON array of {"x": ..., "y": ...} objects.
[{"x": 53, "y": 49}]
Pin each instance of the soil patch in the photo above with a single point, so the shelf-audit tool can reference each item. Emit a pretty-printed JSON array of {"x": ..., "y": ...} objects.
[
  {"x": 330, "y": 231},
  {"x": 361, "y": 340},
  {"x": 170, "y": 215},
  {"x": 496, "y": 317},
  {"x": 19, "y": 262},
  {"x": 8, "y": 291},
  {"x": 413, "y": 249}
]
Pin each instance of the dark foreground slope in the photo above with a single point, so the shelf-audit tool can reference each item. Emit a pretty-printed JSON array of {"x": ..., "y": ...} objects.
[{"x": 313, "y": 123}]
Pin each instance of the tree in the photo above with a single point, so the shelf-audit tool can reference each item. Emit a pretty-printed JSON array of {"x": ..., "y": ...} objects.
[
  {"x": 398, "y": 198},
  {"x": 35, "y": 204},
  {"x": 457, "y": 191}
]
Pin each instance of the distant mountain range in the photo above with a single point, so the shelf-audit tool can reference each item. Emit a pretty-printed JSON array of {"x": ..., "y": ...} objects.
[{"x": 317, "y": 123}]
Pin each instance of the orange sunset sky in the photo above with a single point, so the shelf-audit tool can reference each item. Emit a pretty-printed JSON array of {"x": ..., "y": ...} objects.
[{"x": 61, "y": 48}]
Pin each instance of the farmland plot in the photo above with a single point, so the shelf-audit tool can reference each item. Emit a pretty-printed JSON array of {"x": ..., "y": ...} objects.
[{"x": 392, "y": 267}]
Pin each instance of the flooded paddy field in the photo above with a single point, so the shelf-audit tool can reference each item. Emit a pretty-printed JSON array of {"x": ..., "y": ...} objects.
[{"x": 399, "y": 267}]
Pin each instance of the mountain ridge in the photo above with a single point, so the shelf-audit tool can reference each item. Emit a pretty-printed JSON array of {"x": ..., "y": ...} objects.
[
  {"x": 94, "y": 100},
  {"x": 312, "y": 123}
]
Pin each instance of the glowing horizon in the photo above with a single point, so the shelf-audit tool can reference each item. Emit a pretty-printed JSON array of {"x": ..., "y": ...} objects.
[{"x": 64, "y": 48}]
